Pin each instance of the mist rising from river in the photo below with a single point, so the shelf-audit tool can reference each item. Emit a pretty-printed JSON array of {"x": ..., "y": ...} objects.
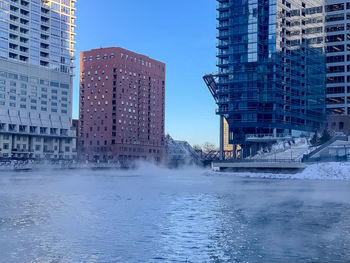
[{"x": 153, "y": 214}]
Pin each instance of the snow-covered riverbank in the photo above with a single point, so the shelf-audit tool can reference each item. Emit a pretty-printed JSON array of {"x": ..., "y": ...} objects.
[{"x": 319, "y": 171}]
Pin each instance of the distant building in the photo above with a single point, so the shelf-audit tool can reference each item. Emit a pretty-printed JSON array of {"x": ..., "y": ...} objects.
[
  {"x": 227, "y": 145},
  {"x": 36, "y": 69},
  {"x": 122, "y": 97},
  {"x": 270, "y": 83},
  {"x": 75, "y": 125},
  {"x": 337, "y": 29}
]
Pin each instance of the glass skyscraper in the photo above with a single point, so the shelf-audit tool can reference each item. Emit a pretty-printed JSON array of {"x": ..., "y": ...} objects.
[
  {"x": 270, "y": 82},
  {"x": 337, "y": 30}
]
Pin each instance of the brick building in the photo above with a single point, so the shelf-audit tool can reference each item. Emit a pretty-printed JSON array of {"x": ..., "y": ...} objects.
[{"x": 122, "y": 97}]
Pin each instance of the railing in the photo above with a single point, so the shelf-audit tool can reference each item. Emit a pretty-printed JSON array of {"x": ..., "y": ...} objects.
[
  {"x": 222, "y": 5},
  {"x": 262, "y": 161},
  {"x": 221, "y": 16},
  {"x": 267, "y": 136}
]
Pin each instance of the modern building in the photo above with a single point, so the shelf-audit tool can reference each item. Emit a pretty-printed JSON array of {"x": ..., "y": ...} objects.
[
  {"x": 122, "y": 105},
  {"x": 337, "y": 30},
  {"x": 270, "y": 83},
  {"x": 36, "y": 61},
  {"x": 227, "y": 145}
]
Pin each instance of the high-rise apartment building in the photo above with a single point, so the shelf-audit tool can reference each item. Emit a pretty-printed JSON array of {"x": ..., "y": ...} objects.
[
  {"x": 337, "y": 42},
  {"x": 36, "y": 61},
  {"x": 271, "y": 70},
  {"x": 122, "y": 97}
]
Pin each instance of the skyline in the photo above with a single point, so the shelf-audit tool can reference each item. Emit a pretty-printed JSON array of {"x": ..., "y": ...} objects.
[{"x": 187, "y": 49}]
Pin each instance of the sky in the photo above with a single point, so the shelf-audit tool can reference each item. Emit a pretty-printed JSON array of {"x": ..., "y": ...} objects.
[{"x": 179, "y": 33}]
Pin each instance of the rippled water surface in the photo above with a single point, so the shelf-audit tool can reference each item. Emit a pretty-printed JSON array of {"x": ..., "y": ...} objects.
[{"x": 155, "y": 215}]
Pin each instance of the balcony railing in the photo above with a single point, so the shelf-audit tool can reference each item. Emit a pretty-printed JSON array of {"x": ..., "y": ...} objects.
[{"x": 269, "y": 136}]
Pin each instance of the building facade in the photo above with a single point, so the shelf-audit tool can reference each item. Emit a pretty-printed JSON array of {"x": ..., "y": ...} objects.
[
  {"x": 227, "y": 145},
  {"x": 122, "y": 106},
  {"x": 337, "y": 41},
  {"x": 271, "y": 70},
  {"x": 36, "y": 69}
]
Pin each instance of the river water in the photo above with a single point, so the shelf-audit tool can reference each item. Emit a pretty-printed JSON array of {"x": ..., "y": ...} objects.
[{"x": 157, "y": 215}]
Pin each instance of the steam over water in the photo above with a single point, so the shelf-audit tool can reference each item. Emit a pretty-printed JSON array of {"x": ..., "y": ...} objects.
[{"x": 157, "y": 215}]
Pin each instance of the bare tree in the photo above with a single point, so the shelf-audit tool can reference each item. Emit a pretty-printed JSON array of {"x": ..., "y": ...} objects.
[
  {"x": 197, "y": 147},
  {"x": 207, "y": 147}
]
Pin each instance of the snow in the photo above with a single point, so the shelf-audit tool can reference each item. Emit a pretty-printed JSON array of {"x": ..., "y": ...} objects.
[
  {"x": 293, "y": 150},
  {"x": 319, "y": 171}
]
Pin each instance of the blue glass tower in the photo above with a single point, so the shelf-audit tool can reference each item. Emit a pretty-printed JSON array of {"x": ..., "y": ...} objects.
[{"x": 270, "y": 83}]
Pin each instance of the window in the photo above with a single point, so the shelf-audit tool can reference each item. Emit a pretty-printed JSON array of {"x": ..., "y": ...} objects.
[
  {"x": 332, "y": 18},
  {"x": 336, "y": 79},
  {"x": 335, "y": 59},
  {"x": 335, "y": 38},
  {"x": 334, "y": 7},
  {"x": 336, "y": 100},
  {"x": 335, "y": 28},
  {"x": 335, "y": 69},
  {"x": 335, "y": 90},
  {"x": 337, "y": 48}
]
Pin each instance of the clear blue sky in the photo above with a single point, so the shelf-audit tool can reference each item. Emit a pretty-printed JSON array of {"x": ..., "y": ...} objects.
[{"x": 179, "y": 33}]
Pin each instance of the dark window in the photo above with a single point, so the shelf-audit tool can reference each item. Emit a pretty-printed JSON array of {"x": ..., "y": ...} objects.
[
  {"x": 336, "y": 69},
  {"x": 336, "y": 100},
  {"x": 335, "y": 38},
  {"x": 335, "y": 59},
  {"x": 337, "y": 17},
  {"x": 337, "y": 48},
  {"x": 334, "y": 7},
  {"x": 335, "y": 90},
  {"x": 336, "y": 79},
  {"x": 335, "y": 28}
]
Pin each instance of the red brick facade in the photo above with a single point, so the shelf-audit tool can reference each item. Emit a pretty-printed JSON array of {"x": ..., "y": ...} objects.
[
  {"x": 339, "y": 124},
  {"x": 122, "y": 106}
]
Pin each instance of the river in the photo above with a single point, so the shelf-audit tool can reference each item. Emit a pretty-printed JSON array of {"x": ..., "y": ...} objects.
[{"x": 160, "y": 215}]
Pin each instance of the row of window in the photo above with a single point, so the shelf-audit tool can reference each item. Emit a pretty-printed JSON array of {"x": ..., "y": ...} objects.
[
  {"x": 338, "y": 111},
  {"x": 338, "y": 69},
  {"x": 339, "y": 89},
  {"x": 337, "y": 17},
  {"x": 337, "y": 48},
  {"x": 122, "y": 56},
  {"x": 37, "y": 147},
  {"x": 124, "y": 149},
  {"x": 337, "y": 7},
  {"x": 338, "y": 100},
  {"x": 33, "y": 80},
  {"x": 32, "y": 107}
]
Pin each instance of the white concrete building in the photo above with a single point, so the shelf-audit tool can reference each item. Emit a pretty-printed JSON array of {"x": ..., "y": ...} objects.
[{"x": 36, "y": 70}]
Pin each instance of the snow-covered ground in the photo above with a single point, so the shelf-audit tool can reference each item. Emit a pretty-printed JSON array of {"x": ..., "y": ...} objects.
[
  {"x": 293, "y": 150},
  {"x": 320, "y": 171}
]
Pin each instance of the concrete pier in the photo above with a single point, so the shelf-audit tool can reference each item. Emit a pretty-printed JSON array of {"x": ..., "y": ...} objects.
[{"x": 259, "y": 164}]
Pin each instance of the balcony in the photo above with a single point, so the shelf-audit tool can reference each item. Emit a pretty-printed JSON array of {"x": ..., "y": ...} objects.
[
  {"x": 223, "y": 34},
  {"x": 222, "y": 44},
  {"x": 222, "y": 6},
  {"x": 14, "y": 150},
  {"x": 221, "y": 111},
  {"x": 223, "y": 16}
]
